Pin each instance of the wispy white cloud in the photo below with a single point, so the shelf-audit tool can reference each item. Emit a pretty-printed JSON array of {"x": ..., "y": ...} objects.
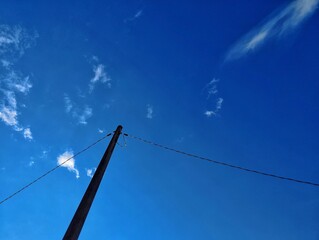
[
  {"x": 31, "y": 163},
  {"x": 219, "y": 103},
  {"x": 44, "y": 154},
  {"x": 8, "y": 115},
  {"x": 217, "y": 108},
  {"x": 212, "y": 97},
  {"x": 15, "y": 40},
  {"x": 280, "y": 22},
  {"x": 95, "y": 58},
  {"x": 9, "y": 112},
  {"x": 21, "y": 85},
  {"x": 8, "y": 108},
  {"x": 5, "y": 63},
  {"x": 209, "y": 113},
  {"x": 27, "y": 134},
  {"x": 81, "y": 114},
  {"x": 100, "y": 75},
  {"x": 70, "y": 164},
  {"x": 10, "y": 98},
  {"x": 68, "y": 103},
  {"x": 13, "y": 80},
  {"x": 137, "y": 15},
  {"x": 211, "y": 87},
  {"x": 100, "y": 130},
  {"x": 13, "y": 43},
  {"x": 90, "y": 172},
  {"x": 149, "y": 110}
]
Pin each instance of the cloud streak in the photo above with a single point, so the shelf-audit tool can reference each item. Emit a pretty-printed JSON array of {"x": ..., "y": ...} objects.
[
  {"x": 90, "y": 172},
  {"x": 68, "y": 103},
  {"x": 13, "y": 43},
  {"x": 211, "y": 88},
  {"x": 100, "y": 75},
  {"x": 70, "y": 164},
  {"x": 27, "y": 134},
  {"x": 83, "y": 116},
  {"x": 149, "y": 110},
  {"x": 15, "y": 40},
  {"x": 279, "y": 23},
  {"x": 212, "y": 95},
  {"x": 137, "y": 15},
  {"x": 214, "y": 112},
  {"x": 8, "y": 108},
  {"x": 80, "y": 114},
  {"x": 21, "y": 85}
]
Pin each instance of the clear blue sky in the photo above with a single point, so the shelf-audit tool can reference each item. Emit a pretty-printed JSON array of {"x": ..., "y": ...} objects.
[{"x": 235, "y": 81}]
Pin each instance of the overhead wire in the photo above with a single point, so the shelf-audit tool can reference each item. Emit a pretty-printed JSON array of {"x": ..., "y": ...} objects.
[
  {"x": 53, "y": 169},
  {"x": 124, "y": 142},
  {"x": 166, "y": 148},
  {"x": 223, "y": 163}
]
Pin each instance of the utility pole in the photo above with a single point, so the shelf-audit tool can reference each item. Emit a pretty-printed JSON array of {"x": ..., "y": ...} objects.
[{"x": 83, "y": 209}]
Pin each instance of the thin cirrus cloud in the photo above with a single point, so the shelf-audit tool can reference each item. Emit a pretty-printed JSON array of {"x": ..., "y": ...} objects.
[
  {"x": 212, "y": 97},
  {"x": 68, "y": 103},
  {"x": 67, "y": 161},
  {"x": 8, "y": 108},
  {"x": 14, "y": 40},
  {"x": 21, "y": 85},
  {"x": 211, "y": 88},
  {"x": 279, "y": 23},
  {"x": 85, "y": 114},
  {"x": 27, "y": 134},
  {"x": 218, "y": 106},
  {"x": 100, "y": 75},
  {"x": 31, "y": 163},
  {"x": 90, "y": 172},
  {"x": 149, "y": 111},
  {"x": 81, "y": 115},
  {"x": 100, "y": 130},
  {"x": 209, "y": 113},
  {"x": 137, "y": 15}
]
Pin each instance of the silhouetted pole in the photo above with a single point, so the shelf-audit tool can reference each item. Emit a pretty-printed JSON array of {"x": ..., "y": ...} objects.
[{"x": 79, "y": 217}]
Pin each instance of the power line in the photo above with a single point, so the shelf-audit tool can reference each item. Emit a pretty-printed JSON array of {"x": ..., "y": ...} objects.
[
  {"x": 53, "y": 169},
  {"x": 223, "y": 163}
]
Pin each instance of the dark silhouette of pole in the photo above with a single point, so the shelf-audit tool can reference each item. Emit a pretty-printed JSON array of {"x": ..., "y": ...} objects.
[{"x": 81, "y": 213}]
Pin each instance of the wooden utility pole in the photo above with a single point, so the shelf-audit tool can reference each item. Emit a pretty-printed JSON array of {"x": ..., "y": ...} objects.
[{"x": 83, "y": 209}]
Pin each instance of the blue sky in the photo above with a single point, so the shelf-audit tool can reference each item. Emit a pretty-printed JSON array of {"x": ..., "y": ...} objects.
[{"x": 233, "y": 81}]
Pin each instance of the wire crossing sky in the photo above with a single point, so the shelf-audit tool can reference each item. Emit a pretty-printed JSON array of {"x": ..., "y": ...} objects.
[
  {"x": 53, "y": 169},
  {"x": 223, "y": 163},
  {"x": 164, "y": 147},
  {"x": 237, "y": 81}
]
